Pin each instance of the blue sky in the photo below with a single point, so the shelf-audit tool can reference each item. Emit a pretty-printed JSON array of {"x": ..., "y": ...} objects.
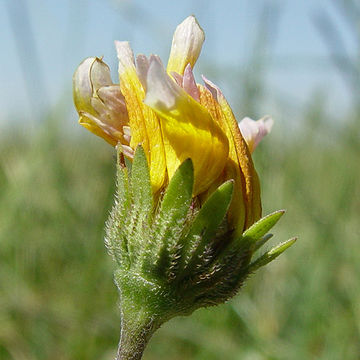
[{"x": 37, "y": 65}]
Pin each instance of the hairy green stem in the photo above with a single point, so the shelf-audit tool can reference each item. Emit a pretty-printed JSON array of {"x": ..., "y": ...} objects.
[{"x": 137, "y": 327}]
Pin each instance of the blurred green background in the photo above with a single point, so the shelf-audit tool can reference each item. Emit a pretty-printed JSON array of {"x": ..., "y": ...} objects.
[{"x": 57, "y": 297}]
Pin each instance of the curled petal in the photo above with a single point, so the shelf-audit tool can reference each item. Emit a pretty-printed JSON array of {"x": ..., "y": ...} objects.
[
  {"x": 186, "y": 45},
  {"x": 253, "y": 131},
  {"x": 99, "y": 103},
  {"x": 90, "y": 75},
  {"x": 188, "y": 129}
]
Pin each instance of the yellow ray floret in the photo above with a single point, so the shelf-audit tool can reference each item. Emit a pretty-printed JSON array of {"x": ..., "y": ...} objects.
[
  {"x": 188, "y": 129},
  {"x": 246, "y": 206},
  {"x": 244, "y": 161},
  {"x": 236, "y": 214},
  {"x": 144, "y": 124}
]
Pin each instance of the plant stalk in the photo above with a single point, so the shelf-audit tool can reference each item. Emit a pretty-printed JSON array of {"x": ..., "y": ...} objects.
[{"x": 136, "y": 331}]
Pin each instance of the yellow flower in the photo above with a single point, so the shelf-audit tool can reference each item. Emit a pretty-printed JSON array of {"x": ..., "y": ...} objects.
[{"x": 173, "y": 118}]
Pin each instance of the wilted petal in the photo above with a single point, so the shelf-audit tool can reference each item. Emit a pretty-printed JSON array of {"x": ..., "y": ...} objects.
[
  {"x": 189, "y": 131},
  {"x": 186, "y": 45},
  {"x": 253, "y": 131}
]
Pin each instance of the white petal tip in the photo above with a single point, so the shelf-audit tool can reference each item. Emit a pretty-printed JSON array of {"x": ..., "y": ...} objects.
[
  {"x": 253, "y": 131},
  {"x": 161, "y": 89},
  {"x": 125, "y": 55},
  {"x": 186, "y": 45}
]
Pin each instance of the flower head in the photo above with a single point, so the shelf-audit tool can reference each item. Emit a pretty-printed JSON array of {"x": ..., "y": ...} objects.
[
  {"x": 173, "y": 118},
  {"x": 185, "y": 224}
]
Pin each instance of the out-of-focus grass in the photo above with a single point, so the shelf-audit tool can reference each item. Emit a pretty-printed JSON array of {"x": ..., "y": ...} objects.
[{"x": 57, "y": 298}]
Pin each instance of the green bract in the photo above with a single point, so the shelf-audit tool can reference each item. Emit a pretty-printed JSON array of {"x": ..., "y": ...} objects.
[{"x": 173, "y": 254}]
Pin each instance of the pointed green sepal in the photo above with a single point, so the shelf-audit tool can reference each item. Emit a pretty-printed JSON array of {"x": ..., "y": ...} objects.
[
  {"x": 122, "y": 184},
  {"x": 169, "y": 221},
  {"x": 261, "y": 227},
  {"x": 140, "y": 182},
  {"x": 178, "y": 195},
  {"x": 204, "y": 227},
  {"x": 136, "y": 212},
  {"x": 270, "y": 255},
  {"x": 128, "y": 164},
  {"x": 115, "y": 239}
]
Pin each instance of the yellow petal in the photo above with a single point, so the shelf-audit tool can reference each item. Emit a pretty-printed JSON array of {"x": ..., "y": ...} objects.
[
  {"x": 144, "y": 124},
  {"x": 236, "y": 214},
  {"x": 189, "y": 131},
  {"x": 186, "y": 45},
  {"x": 239, "y": 157}
]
